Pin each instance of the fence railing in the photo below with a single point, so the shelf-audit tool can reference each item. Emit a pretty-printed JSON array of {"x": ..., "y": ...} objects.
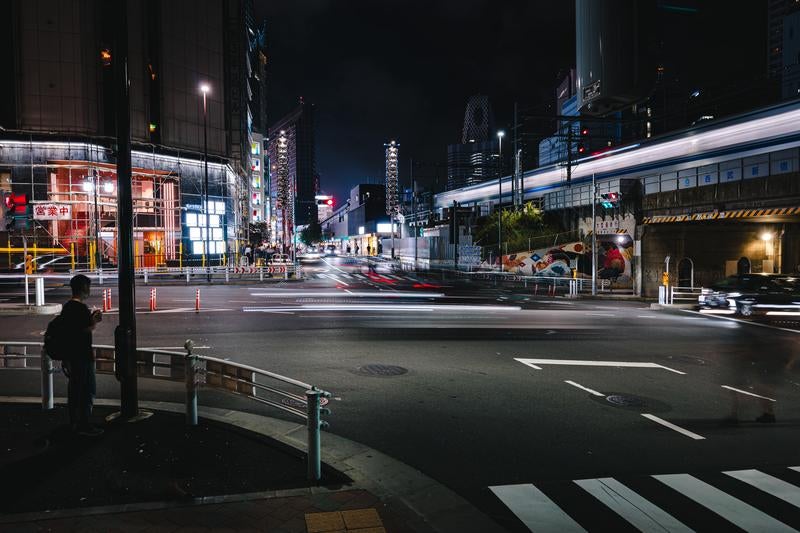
[
  {"x": 292, "y": 396},
  {"x": 670, "y": 295},
  {"x": 544, "y": 284}
]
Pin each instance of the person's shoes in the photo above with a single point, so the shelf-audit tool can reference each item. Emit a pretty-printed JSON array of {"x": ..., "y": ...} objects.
[
  {"x": 90, "y": 431},
  {"x": 766, "y": 418}
]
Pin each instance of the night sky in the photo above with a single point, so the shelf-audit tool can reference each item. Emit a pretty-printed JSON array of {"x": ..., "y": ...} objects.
[{"x": 403, "y": 70}]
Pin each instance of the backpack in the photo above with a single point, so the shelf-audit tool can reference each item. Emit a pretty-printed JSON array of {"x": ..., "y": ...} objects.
[{"x": 56, "y": 339}]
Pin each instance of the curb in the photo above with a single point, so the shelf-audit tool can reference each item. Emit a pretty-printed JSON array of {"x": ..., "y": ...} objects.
[
  {"x": 437, "y": 507},
  {"x": 22, "y": 309}
]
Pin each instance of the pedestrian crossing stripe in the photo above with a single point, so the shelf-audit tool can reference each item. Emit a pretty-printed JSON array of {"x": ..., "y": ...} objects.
[{"x": 541, "y": 512}]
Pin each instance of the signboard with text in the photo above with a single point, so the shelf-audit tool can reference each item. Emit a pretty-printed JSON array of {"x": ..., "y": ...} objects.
[{"x": 52, "y": 211}]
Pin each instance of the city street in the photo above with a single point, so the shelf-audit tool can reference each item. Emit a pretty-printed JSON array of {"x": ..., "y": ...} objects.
[{"x": 507, "y": 398}]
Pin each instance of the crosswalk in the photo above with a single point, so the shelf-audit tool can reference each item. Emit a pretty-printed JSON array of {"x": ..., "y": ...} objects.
[
  {"x": 766, "y": 499},
  {"x": 364, "y": 277}
]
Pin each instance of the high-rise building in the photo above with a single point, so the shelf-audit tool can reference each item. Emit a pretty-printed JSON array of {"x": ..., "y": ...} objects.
[
  {"x": 59, "y": 99},
  {"x": 476, "y": 158},
  {"x": 298, "y": 128}
]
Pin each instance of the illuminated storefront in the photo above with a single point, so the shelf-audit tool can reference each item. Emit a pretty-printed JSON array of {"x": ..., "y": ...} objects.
[{"x": 169, "y": 224}]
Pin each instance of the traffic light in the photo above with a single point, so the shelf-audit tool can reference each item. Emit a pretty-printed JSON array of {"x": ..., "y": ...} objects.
[
  {"x": 584, "y": 140},
  {"x": 609, "y": 200},
  {"x": 16, "y": 211}
]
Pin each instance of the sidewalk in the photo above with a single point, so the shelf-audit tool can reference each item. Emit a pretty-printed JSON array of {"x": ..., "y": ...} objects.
[{"x": 234, "y": 472}]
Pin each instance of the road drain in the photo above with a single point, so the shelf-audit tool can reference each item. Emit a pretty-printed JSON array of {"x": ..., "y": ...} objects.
[
  {"x": 633, "y": 403},
  {"x": 381, "y": 370}
]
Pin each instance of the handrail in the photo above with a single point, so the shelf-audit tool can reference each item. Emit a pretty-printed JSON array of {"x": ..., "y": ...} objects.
[{"x": 193, "y": 370}]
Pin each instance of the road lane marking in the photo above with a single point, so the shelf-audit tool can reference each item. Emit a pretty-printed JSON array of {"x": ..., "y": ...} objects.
[
  {"x": 769, "y": 484},
  {"x": 637, "y": 316},
  {"x": 640, "y": 512},
  {"x": 673, "y": 427},
  {"x": 360, "y": 294},
  {"x": 741, "y": 321},
  {"x": 337, "y": 280},
  {"x": 747, "y": 393},
  {"x": 587, "y": 389},
  {"x": 535, "y": 509},
  {"x": 731, "y": 509},
  {"x": 533, "y": 363},
  {"x": 601, "y": 314},
  {"x": 333, "y": 266}
]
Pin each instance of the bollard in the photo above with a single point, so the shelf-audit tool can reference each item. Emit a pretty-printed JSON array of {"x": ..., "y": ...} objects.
[
  {"x": 191, "y": 385},
  {"x": 47, "y": 380},
  {"x": 152, "y": 299},
  {"x": 536, "y": 289},
  {"x": 285, "y": 272},
  {"x": 100, "y": 275},
  {"x": 261, "y": 273},
  {"x": 227, "y": 275},
  {"x": 39, "y": 291},
  {"x": 109, "y": 299},
  {"x": 188, "y": 270},
  {"x": 314, "y": 423},
  {"x": 145, "y": 276},
  {"x": 197, "y": 301}
]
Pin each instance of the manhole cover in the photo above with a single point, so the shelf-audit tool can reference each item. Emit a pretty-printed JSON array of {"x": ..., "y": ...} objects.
[
  {"x": 633, "y": 402},
  {"x": 622, "y": 400},
  {"x": 382, "y": 370},
  {"x": 297, "y": 404}
]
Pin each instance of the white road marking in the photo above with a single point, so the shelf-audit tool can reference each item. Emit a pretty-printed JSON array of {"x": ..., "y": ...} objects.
[
  {"x": 640, "y": 512},
  {"x": 384, "y": 307},
  {"x": 731, "y": 509},
  {"x": 769, "y": 484},
  {"x": 360, "y": 294},
  {"x": 601, "y": 314},
  {"x": 535, "y": 509},
  {"x": 333, "y": 267},
  {"x": 637, "y": 316},
  {"x": 337, "y": 280},
  {"x": 673, "y": 427},
  {"x": 173, "y": 347},
  {"x": 576, "y": 362},
  {"x": 742, "y": 321},
  {"x": 587, "y": 389},
  {"x": 740, "y": 391}
]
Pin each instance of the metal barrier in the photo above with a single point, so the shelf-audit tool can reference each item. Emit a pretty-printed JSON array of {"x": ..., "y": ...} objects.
[
  {"x": 194, "y": 371},
  {"x": 276, "y": 271},
  {"x": 684, "y": 295},
  {"x": 543, "y": 284}
]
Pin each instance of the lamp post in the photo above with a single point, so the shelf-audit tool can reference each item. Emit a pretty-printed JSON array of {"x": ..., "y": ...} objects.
[
  {"x": 500, "y": 135},
  {"x": 205, "y": 88}
]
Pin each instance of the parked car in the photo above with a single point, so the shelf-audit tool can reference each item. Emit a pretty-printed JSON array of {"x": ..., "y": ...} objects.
[
  {"x": 330, "y": 251},
  {"x": 749, "y": 294}
]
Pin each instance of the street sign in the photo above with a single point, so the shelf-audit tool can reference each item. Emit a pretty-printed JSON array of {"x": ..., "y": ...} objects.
[{"x": 52, "y": 211}]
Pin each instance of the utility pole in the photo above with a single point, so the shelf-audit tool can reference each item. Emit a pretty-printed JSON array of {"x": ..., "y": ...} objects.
[
  {"x": 455, "y": 235},
  {"x": 500, "y": 135},
  {"x": 125, "y": 333},
  {"x": 514, "y": 184},
  {"x": 594, "y": 236}
]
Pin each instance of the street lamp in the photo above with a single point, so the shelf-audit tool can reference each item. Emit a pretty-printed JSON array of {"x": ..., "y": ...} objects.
[
  {"x": 205, "y": 89},
  {"x": 500, "y": 135}
]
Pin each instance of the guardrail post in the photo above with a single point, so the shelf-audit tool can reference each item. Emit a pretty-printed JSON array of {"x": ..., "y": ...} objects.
[
  {"x": 47, "y": 380},
  {"x": 191, "y": 385},
  {"x": 39, "y": 291},
  {"x": 314, "y": 424}
]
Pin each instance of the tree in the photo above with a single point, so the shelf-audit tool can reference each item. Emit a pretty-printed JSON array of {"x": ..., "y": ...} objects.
[
  {"x": 311, "y": 234},
  {"x": 520, "y": 227}
]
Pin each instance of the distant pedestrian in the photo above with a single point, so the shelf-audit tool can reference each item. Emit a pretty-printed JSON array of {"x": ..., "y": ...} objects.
[
  {"x": 78, "y": 361},
  {"x": 369, "y": 250},
  {"x": 348, "y": 249},
  {"x": 380, "y": 248},
  {"x": 357, "y": 249}
]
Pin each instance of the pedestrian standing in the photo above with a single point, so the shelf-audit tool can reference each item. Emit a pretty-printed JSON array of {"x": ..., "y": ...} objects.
[
  {"x": 369, "y": 250},
  {"x": 357, "y": 249},
  {"x": 348, "y": 249},
  {"x": 78, "y": 362}
]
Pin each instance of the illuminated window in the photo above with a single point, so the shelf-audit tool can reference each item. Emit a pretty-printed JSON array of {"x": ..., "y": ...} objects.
[
  {"x": 213, "y": 221},
  {"x": 191, "y": 219},
  {"x": 197, "y": 247},
  {"x": 194, "y": 234}
]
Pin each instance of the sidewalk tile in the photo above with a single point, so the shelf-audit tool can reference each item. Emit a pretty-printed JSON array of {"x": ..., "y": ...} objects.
[
  {"x": 361, "y": 518},
  {"x": 324, "y": 522}
]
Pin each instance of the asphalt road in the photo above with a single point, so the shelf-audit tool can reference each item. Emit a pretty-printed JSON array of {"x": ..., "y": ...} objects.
[{"x": 508, "y": 398}]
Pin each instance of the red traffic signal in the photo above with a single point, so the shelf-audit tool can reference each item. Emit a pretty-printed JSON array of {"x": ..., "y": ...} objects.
[
  {"x": 330, "y": 201},
  {"x": 584, "y": 132},
  {"x": 17, "y": 204}
]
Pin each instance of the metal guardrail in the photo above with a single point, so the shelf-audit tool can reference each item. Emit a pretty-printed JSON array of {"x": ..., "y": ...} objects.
[
  {"x": 543, "y": 284},
  {"x": 195, "y": 371},
  {"x": 275, "y": 271},
  {"x": 671, "y": 295}
]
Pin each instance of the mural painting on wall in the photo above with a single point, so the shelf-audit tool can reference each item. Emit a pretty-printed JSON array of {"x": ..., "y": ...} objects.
[{"x": 613, "y": 259}]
